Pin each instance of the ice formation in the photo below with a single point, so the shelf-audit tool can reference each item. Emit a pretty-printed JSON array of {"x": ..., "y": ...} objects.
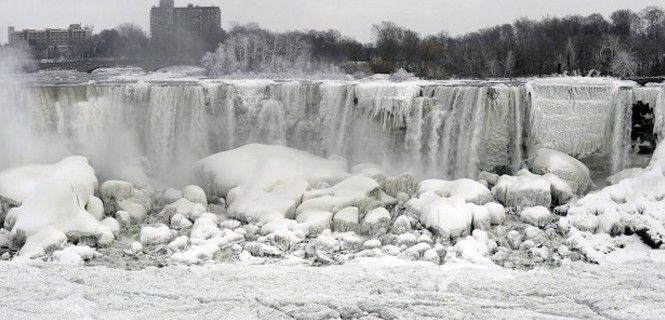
[{"x": 55, "y": 207}]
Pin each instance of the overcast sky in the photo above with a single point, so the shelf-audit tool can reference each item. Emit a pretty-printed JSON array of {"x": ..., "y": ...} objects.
[{"x": 351, "y": 17}]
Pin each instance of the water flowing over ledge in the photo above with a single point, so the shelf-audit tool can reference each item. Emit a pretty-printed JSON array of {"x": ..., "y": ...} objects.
[{"x": 442, "y": 129}]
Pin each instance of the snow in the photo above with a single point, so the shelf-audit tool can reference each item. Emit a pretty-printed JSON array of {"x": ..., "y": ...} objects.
[
  {"x": 55, "y": 207},
  {"x": 536, "y": 216},
  {"x": 523, "y": 190},
  {"x": 567, "y": 168},
  {"x": 264, "y": 182},
  {"x": 154, "y": 235},
  {"x": 195, "y": 194},
  {"x": 467, "y": 189},
  {"x": 346, "y": 219}
]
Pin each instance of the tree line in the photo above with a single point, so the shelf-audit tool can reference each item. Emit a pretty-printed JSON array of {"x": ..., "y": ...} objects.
[{"x": 626, "y": 44}]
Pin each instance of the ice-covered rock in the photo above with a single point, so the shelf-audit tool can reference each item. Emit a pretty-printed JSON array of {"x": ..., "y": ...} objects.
[
  {"x": 154, "y": 235},
  {"x": 624, "y": 174},
  {"x": 401, "y": 225},
  {"x": 450, "y": 217},
  {"x": 179, "y": 221},
  {"x": 482, "y": 218},
  {"x": 376, "y": 221},
  {"x": 467, "y": 189},
  {"x": 524, "y": 190},
  {"x": 96, "y": 208},
  {"x": 195, "y": 194},
  {"x": 178, "y": 244},
  {"x": 407, "y": 239},
  {"x": 266, "y": 182},
  {"x": 316, "y": 220},
  {"x": 567, "y": 168},
  {"x": 432, "y": 256},
  {"x": 124, "y": 196},
  {"x": 113, "y": 225},
  {"x": 474, "y": 248},
  {"x": 346, "y": 219},
  {"x": 54, "y": 209},
  {"x": 497, "y": 212},
  {"x": 537, "y": 216},
  {"x": 170, "y": 195}
]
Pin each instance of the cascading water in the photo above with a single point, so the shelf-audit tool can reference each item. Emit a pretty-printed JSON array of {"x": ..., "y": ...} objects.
[{"x": 433, "y": 129}]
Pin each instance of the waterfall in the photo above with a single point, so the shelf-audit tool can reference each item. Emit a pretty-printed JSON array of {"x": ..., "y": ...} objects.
[{"x": 434, "y": 129}]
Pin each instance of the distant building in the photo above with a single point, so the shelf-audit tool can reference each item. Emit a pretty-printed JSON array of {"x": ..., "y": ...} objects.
[
  {"x": 51, "y": 43},
  {"x": 166, "y": 19}
]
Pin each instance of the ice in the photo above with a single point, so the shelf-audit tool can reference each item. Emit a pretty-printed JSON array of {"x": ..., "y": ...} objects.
[
  {"x": 576, "y": 115},
  {"x": 154, "y": 235},
  {"x": 346, "y": 219},
  {"x": 536, "y": 216},
  {"x": 264, "y": 183},
  {"x": 524, "y": 190},
  {"x": 195, "y": 194},
  {"x": 376, "y": 221},
  {"x": 469, "y": 190},
  {"x": 567, "y": 168},
  {"x": 55, "y": 208}
]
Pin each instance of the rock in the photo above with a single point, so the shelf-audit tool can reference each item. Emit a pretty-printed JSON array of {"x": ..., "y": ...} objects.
[
  {"x": 113, "y": 225},
  {"x": 536, "y": 216},
  {"x": 178, "y": 244},
  {"x": 135, "y": 248},
  {"x": 514, "y": 239},
  {"x": 482, "y": 218},
  {"x": 346, "y": 219},
  {"x": 401, "y": 225},
  {"x": 524, "y": 190},
  {"x": 170, "y": 195},
  {"x": 195, "y": 194},
  {"x": 154, "y": 235},
  {"x": 469, "y": 190},
  {"x": 407, "y": 239},
  {"x": 569, "y": 169},
  {"x": 179, "y": 222},
  {"x": 372, "y": 244},
  {"x": 432, "y": 256},
  {"x": 491, "y": 178},
  {"x": 123, "y": 218},
  {"x": 96, "y": 208},
  {"x": 497, "y": 213},
  {"x": 376, "y": 221},
  {"x": 230, "y": 224}
]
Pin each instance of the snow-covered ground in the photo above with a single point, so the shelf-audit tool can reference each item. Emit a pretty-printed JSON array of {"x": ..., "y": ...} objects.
[{"x": 368, "y": 289}]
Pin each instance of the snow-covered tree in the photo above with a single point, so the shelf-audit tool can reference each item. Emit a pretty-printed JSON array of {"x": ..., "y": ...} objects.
[{"x": 624, "y": 64}]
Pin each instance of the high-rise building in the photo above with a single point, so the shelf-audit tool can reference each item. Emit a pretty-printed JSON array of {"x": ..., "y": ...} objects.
[{"x": 167, "y": 19}]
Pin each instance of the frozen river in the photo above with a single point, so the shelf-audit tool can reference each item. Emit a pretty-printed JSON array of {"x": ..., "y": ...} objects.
[{"x": 371, "y": 289}]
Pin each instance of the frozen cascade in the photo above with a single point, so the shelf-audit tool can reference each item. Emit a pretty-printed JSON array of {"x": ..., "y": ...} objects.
[{"x": 433, "y": 129}]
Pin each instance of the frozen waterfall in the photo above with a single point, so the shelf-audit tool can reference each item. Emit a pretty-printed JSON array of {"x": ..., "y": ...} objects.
[{"x": 431, "y": 128}]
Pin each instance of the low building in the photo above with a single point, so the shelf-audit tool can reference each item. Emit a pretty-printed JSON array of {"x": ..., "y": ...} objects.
[{"x": 52, "y": 43}]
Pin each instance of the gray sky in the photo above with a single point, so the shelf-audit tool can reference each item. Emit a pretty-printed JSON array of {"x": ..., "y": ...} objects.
[{"x": 351, "y": 17}]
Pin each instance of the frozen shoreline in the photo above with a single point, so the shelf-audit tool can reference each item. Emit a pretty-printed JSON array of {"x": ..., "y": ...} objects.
[{"x": 369, "y": 289}]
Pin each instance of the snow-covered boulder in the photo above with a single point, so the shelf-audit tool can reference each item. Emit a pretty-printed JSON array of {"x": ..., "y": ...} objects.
[
  {"x": 536, "y": 216},
  {"x": 316, "y": 220},
  {"x": 124, "y": 196},
  {"x": 474, "y": 248},
  {"x": 523, "y": 190},
  {"x": 55, "y": 208},
  {"x": 376, "y": 221},
  {"x": 497, "y": 212},
  {"x": 154, "y": 235},
  {"x": 569, "y": 169},
  {"x": 450, "y": 217},
  {"x": 401, "y": 225},
  {"x": 469, "y": 190},
  {"x": 195, "y": 194},
  {"x": 265, "y": 182},
  {"x": 346, "y": 219}
]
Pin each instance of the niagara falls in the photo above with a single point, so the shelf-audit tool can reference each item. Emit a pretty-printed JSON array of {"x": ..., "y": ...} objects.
[{"x": 172, "y": 160}]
